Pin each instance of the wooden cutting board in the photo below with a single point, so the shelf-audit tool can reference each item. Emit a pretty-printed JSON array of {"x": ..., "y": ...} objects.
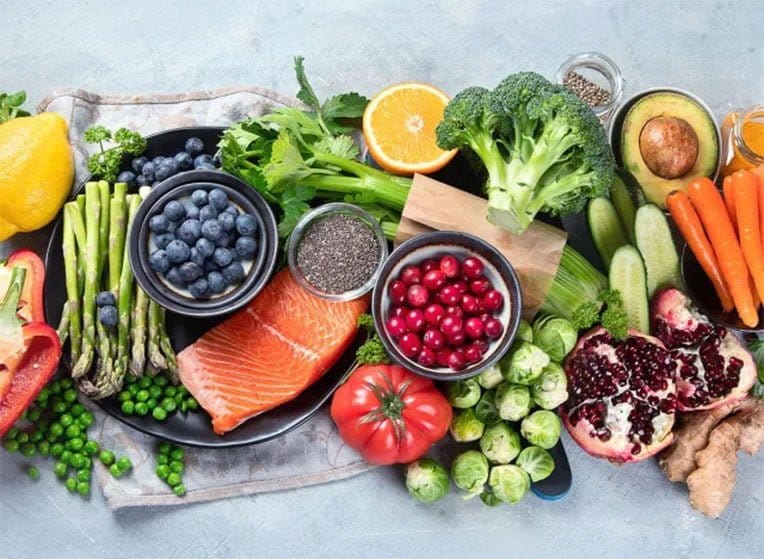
[{"x": 535, "y": 254}]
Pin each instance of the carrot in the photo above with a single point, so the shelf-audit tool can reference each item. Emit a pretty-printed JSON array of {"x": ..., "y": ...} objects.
[
  {"x": 759, "y": 172},
  {"x": 745, "y": 187},
  {"x": 729, "y": 200},
  {"x": 688, "y": 222},
  {"x": 716, "y": 221}
]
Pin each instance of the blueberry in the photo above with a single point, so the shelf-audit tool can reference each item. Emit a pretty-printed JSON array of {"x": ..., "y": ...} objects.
[
  {"x": 246, "y": 247},
  {"x": 216, "y": 282},
  {"x": 233, "y": 273},
  {"x": 174, "y": 210},
  {"x": 207, "y": 212},
  {"x": 138, "y": 163},
  {"x": 210, "y": 266},
  {"x": 164, "y": 171},
  {"x": 212, "y": 230},
  {"x": 223, "y": 241},
  {"x": 196, "y": 258},
  {"x": 233, "y": 210},
  {"x": 218, "y": 199},
  {"x": 157, "y": 161},
  {"x": 189, "y": 272},
  {"x": 159, "y": 261},
  {"x": 201, "y": 159},
  {"x": 140, "y": 180},
  {"x": 178, "y": 251},
  {"x": 199, "y": 198},
  {"x": 149, "y": 171},
  {"x": 227, "y": 221},
  {"x": 192, "y": 212},
  {"x": 108, "y": 316},
  {"x": 222, "y": 257},
  {"x": 127, "y": 177},
  {"x": 194, "y": 146},
  {"x": 163, "y": 239},
  {"x": 189, "y": 231},
  {"x": 173, "y": 276},
  {"x": 105, "y": 299},
  {"x": 205, "y": 167},
  {"x": 183, "y": 160},
  {"x": 246, "y": 224},
  {"x": 204, "y": 246},
  {"x": 198, "y": 288},
  {"x": 159, "y": 223}
]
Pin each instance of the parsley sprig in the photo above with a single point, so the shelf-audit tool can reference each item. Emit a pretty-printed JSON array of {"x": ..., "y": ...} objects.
[{"x": 105, "y": 163}]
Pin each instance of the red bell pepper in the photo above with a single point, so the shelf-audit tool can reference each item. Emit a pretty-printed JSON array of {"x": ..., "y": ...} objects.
[
  {"x": 30, "y": 307},
  {"x": 29, "y": 354}
]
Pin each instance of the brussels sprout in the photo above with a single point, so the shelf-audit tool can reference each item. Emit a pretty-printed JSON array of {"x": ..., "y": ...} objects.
[
  {"x": 500, "y": 443},
  {"x": 509, "y": 483},
  {"x": 537, "y": 462},
  {"x": 541, "y": 428},
  {"x": 469, "y": 471},
  {"x": 555, "y": 335},
  {"x": 426, "y": 480},
  {"x": 551, "y": 388},
  {"x": 524, "y": 364},
  {"x": 489, "y": 499},
  {"x": 490, "y": 378},
  {"x": 465, "y": 427},
  {"x": 513, "y": 401},
  {"x": 525, "y": 332},
  {"x": 485, "y": 409},
  {"x": 463, "y": 393}
]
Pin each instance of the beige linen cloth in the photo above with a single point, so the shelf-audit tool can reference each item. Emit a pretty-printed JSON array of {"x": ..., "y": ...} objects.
[{"x": 309, "y": 455}]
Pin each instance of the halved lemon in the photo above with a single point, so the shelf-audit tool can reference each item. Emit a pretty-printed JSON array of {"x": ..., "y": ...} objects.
[{"x": 399, "y": 128}]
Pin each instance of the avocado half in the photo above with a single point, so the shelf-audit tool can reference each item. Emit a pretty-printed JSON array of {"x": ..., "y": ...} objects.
[{"x": 677, "y": 128}]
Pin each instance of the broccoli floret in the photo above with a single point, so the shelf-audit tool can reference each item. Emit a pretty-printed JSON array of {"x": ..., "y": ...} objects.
[
  {"x": 608, "y": 310},
  {"x": 372, "y": 352}
]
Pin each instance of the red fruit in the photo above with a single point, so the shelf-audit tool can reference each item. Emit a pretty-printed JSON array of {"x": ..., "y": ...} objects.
[
  {"x": 434, "y": 280},
  {"x": 714, "y": 367},
  {"x": 460, "y": 285},
  {"x": 414, "y": 320},
  {"x": 411, "y": 274},
  {"x": 449, "y": 265},
  {"x": 456, "y": 361},
  {"x": 474, "y": 328},
  {"x": 396, "y": 326},
  {"x": 433, "y": 339},
  {"x": 493, "y": 300},
  {"x": 426, "y": 357},
  {"x": 622, "y": 395},
  {"x": 482, "y": 346},
  {"x": 493, "y": 328},
  {"x": 398, "y": 311},
  {"x": 451, "y": 325},
  {"x": 417, "y": 295},
  {"x": 456, "y": 339},
  {"x": 429, "y": 264},
  {"x": 472, "y": 267},
  {"x": 410, "y": 344},
  {"x": 470, "y": 304},
  {"x": 456, "y": 312},
  {"x": 472, "y": 354},
  {"x": 433, "y": 314},
  {"x": 397, "y": 291},
  {"x": 479, "y": 286},
  {"x": 449, "y": 295},
  {"x": 442, "y": 357}
]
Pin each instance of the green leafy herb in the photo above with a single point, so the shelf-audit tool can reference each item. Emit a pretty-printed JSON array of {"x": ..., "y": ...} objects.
[
  {"x": 372, "y": 352},
  {"x": 608, "y": 311},
  {"x": 105, "y": 163},
  {"x": 10, "y": 105},
  {"x": 756, "y": 347}
]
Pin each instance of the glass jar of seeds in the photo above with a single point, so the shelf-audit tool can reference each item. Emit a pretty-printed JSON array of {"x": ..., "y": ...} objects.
[
  {"x": 336, "y": 251},
  {"x": 596, "y": 79}
]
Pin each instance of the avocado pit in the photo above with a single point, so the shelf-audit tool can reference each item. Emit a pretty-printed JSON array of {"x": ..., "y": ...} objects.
[{"x": 669, "y": 146}]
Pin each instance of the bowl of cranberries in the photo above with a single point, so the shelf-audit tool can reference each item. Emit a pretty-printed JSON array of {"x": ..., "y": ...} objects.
[{"x": 446, "y": 305}]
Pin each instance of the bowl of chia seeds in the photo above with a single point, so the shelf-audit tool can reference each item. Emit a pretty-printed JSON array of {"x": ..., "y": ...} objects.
[{"x": 336, "y": 251}]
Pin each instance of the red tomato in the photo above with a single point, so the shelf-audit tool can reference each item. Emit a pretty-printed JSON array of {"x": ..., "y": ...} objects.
[{"x": 390, "y": 415}]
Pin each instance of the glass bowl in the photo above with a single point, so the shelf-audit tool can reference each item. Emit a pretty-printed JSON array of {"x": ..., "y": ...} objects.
[{"x": 601, "y": 71}]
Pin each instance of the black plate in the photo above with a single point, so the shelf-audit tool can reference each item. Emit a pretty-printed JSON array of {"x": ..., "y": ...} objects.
[{"x": 194, "y": 428}]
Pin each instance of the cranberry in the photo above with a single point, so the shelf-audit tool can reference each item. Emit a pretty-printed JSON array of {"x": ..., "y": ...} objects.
[
  {"x": 417, "y": 295},
  {"x": 415, "y": 320},
  {"x": 460, "y": 285},
  {"x": 397, "y": 292},
  {"x": 426, "y": 357},
  {"x": 473, "y": 327},
  {"x": 396, "y": 326},
  {"x": 434, "y": 280},
  {"x": 472, "y": 267},
  {"x": 429, "y": 264},
  {"x": 449, "y": 296},
  {"x": 472, "y": 354},
  {"x": 449, "y": 265},
  {"x": 433, "y": 314},
  {"x": 450, "y": 326},
  {"x": 470, "y": 304},
  {"x": 493, "y": 328},
  {"x": 493, "y": 300},
  {"x": 456, "y": 339},
  {"x": 482, "y": 345},
  {"x": 456, "y": 361},
  {"x": 410, "y": 344},
  {"x": 442, "y": 357},
  {"x": 411, "y": 274},
  {"x": 455, "y": 312},
  {"x": 479, "y": 286},
  {"x": 398, "y": 311},
  {"x": 485, "y": 317},
  {"x": 433, "y": 339}
]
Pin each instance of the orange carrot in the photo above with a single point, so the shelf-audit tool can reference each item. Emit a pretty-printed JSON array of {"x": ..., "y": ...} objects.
[
  {"x": 759, "y": 173},
  {"x": 686, "y": 219},
  {"x": 729, "y": 200},
  {"x": 716, "y": 221},
  {"x": 754, "y": 293},
  {"x": 745, "y": 187}
]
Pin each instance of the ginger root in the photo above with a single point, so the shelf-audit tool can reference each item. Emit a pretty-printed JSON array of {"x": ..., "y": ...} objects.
[
  {"x": 752, "y": 428},
  {"x": 711, "y": 484}
]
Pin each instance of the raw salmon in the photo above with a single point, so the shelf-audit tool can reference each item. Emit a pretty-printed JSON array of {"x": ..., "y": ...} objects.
[{"x": 267, "y": 353}]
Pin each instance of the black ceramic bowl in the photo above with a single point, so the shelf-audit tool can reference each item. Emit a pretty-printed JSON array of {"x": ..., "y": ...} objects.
[
  {"x": 248, "y": 200},
  {"x": 434, "y": 245}
]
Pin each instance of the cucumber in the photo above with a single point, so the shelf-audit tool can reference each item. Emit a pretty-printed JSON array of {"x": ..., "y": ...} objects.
[
  {"x": 656, "y": 245},
  {"x": 627, "y": 275},
  {"x": 624, "y": 206},
  {"x": 606, "y": 228}
]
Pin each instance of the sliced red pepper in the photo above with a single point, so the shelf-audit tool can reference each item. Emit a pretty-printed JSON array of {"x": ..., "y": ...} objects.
[
  {"x": 30, "y": 306},
  {"x": 12, "y": 342}
]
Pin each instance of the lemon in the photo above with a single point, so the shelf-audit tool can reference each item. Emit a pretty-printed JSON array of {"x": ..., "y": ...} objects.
[{"x": 36, "y": 172}]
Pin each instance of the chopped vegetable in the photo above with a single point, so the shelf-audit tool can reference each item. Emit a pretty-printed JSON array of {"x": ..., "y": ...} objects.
[{"x": 427, "y": 480}]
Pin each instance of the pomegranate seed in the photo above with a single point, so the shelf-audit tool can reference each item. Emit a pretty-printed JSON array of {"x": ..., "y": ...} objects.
[
  {"x": 472, "y": 354},
  {"x": 417, "y": 295},
  {"x": 442, "y": 357},
  {"x": 460, "y": 285},
  {"x": 429, "y": 264},
  {"x": 470, "y": 305},
  {"x": 433, "y": 314},
  {"x": 493, "y": 328},
  {"x": 415, "y": 320},
  {"x": 398, "y": 311},
  {"x": 449, "y": 265},
  {"x": 397, "y": 292},
  {"x": 456, "y": 361},
  {"x": 456, "y": 312},
  {"x": 473, "y": 327},
  {"x": 410, "y": 344},
  {"x": 433, "y": 339},
  {"x": 451, "y": 326},
  {"x": 426, "y": 357},
  {"x": 493, "y": 300},
  {"x": 396, "y": 326},
  {"x": 411, "y": 274},
  {"x": 449, "y": 296},
  {"x": 472, "y": 267},
  {"x": 434, "y": 280},
  {"x": 480, "y": 286}
]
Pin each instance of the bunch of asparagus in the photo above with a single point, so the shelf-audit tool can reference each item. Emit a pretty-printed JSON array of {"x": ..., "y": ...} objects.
[{"x": 96, "y": 226}]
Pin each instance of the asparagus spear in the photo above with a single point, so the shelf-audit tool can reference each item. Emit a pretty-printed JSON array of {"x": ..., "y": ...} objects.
[
  {"x": 104, "y": 195},
  {"x": 140, "y": 310},
  {"x": 156, "y": 358},
  {"x": 63, "y": 325},
  {"x": 72, "y": 287},
  {"x": 167, "y": 350},
  {"x": 116, "y": 237},
  {"x": 125, "y": 297},
  {"x": 81, "y": 203}
]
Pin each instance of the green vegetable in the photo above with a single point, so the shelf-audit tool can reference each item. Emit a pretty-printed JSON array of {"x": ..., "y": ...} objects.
[
  {"x": 490, "y": 377},
  {"x": 106, "y": 162},
  {"x": 463, "y": 393},
  {"x": 756, "y": 347},
  {"x": 469, "y": 471},
  {"x": 71, "y": 484},
  {"x": 60, "y": 469},
  {"x": 509, "y": 483},
  {"x": 371, "y": 352},
  {"x": 33, "y": 473},
  {"x": 551, "y": 388},
  {"x": 489, "y": 499},
  {"x": 179, "y": 490},
  {"x": 485, "y": 409},
  {"x": 513, "y": 401},
  {"x": 625, "y": 206},
  {"x": 159, "y": 414},
  {"x": 576, "y": 283},
  {"x": 541, "y": 428},
  {"x": 525, "y": 331},
  {"x": 123, "y": 463},
  {"x": 106, "y": 457},
  {"x": 173, "y": 479},
  {"x": 542, "y": 147},
  {"x": 608, "y": 310},
  {"x": 162, "y": 471},
  {"x": 524, "y": 364},
  {"x": 427, "y": 480},
  {"x": 10, "y": 105},
  {"x": 628, "y": 277},
  {"x": 537, "y": 462},
  {"x": 606, "y": 229},
  {"x": 656, "y": 245},
  {"x": 465, "y": 426},
  {"x": 555, "y": 335},
  {"x": 500, "y": 443}
]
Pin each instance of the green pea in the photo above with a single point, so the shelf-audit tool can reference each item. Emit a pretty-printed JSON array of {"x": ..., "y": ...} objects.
[
  {"x": 33, "y": 473},
  {"x": 77, "y": 461},
  {"x": 173, "y": 479},
  {"x": 43, "y": 447},
  {"x": 66, "y": 383},
  {"x": 28, "y": 450},
  {"x": 182, "y": 390},
  {"x": 56, "y": 450},
  {"x": 163, "y": 459},
  {"x": 142, "y": 395},
  {"x": 178, "y": 399},
  {"x": 170, "y": 391},
  {"x": 55, "y": 388},
  {"x": 70, "y": 396},
  {"x": 12, "y": 433},
  {"x": 133, "y": 389},
  {"x": 66, "y": 456},
  {"x": 11, "y": 445},
  {"x": 71, "y": 484},
  {"x": 160, "y": 381},
  {"x": 65, "y": 420},
  {"x": 59, "y": 408},
  {"x": 33, "y": 415},
  {"x": 155, "y": 392},
  {"x": 36, "y": 436},
  {"x": 106, "y": 457},
  {"x": 43, "y": 425},
  {"x": 91, "y": 447},
  {"x": 56, "y": 429},
  {"x": 60, "y": 469},
  {"x": 87, "y": 463},
  {"x": 124, "y": 396},
  {"x": 44, "y": 394},
  {"x": 179, "y": 490},
  {"x": 164, "y": 448},
  {"x": 76, "y": 444},
  {"x": 74, "y": 430},
  {"x": 83, "y": 488},
  {"x": 123, "y": 463},
  {"x": 183, "y": 406},
  {"x": 51, "y": 438},
  {"x": 127, "y": 407},
  {"x": 77, "y": 410},
  {"x": 176, "y": 466},
  {"x": 159, "y": 414},
  {"x": 145, "y": 382},
  {"x": 86, "y": 420},
  {"x": 83, "y": 475},
  {"x": 177, "y": 453},
  {"x": 162, "y": 471},
  {"x": 115, "y": 471},
  {"x": 151, "y": 403},
  {"x": 169, "y": 405},
  {"x": 141, "y": 408},
  {"x": 193, "y": 405},
  {"x": 130, "y": 379},
  {"x": 22, "y": 437}
]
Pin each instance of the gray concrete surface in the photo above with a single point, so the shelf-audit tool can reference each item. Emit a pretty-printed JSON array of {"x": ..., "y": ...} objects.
[{"x": 711, "y": 48}]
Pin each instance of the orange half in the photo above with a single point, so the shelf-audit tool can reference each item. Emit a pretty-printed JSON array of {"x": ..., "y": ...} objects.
[{"x": 399, "y": 128}]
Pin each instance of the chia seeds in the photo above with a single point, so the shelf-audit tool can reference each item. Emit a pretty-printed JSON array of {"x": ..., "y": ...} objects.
[
  {"x": 588, "y": 91},
  {"x": 338, "y": 253}
]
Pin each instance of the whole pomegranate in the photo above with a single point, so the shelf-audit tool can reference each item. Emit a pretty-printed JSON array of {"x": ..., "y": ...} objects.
[
  {"x": 622, "y": 395},
  {"x": 714, "y": 367}
]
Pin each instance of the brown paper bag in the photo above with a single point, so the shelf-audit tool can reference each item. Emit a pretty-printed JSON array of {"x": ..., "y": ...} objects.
[{"x": 535, "y": 254}]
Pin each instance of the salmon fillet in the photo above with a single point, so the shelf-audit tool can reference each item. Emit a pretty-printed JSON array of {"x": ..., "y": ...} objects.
[{"x": 267, "y": 353}]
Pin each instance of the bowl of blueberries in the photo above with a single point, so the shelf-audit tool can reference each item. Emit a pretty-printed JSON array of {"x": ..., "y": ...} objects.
[{"x": 203, "y": 243}]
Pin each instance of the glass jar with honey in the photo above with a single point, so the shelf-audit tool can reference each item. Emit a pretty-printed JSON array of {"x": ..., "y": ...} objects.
[{"x": 743, "y": 138}]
